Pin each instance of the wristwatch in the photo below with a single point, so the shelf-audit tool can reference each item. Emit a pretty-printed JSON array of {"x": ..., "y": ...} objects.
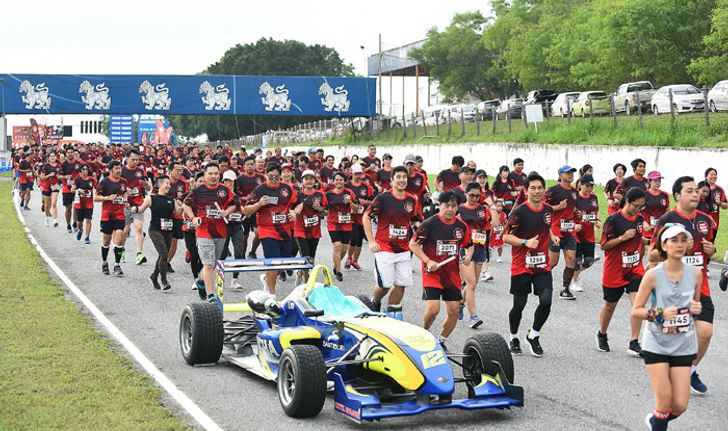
[{"x": 523, "y": 243}]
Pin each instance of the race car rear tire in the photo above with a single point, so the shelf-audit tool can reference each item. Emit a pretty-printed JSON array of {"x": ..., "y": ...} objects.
[
  {"x": 302, "y": 381},
  {"x": 366, "y": 300},
  {"x": 481, "y": 350},
  {"x": 201, "y": 333}
]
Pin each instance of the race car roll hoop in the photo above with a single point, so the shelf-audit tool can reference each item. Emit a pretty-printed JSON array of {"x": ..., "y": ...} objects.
[{"x": 319, "y": 339}]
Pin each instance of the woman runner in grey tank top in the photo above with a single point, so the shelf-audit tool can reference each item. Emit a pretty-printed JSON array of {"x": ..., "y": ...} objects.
[{"x": 668, "y": 297}]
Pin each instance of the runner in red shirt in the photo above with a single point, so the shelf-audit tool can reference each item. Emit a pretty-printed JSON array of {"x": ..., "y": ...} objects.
[
  {"x": 272, "y": 203},
  {"x": 69, "y": 172},
  {"x": 701, "y": 226},
  {"x": 623, "y": 270},
  {"x": 717, "y": 195},
  {"x": 395, "y": 211},
  {"x": 448, "y": 179},
  {"x": 466, "y": 175},
  {"x": 562, "y": 198},
  {"x": 246, "y": 182},
  {"x": 112, "y": 193},
  {"x": 26, "y": 179},
  {"x": 517, "y": 176},
  {"x": 657, "y": 202},
  {"x": 498, "y": 229},
  {"x": 416, "y": 182},
  {"x": 326, "y": 173},
  {"x": 178, "y": 186},
  {"x": 384, "y": 174},
  {"x": 504, "y": 189},
  {"x": 208, "y": 207},
  {"x": 342, "y": 203},
  {"x": 371, "y": 163},
  {"x": 529, "y": 233},
  {"x": 51, "y": 187},
  {"x": 83, "y": 204},
  {"x": 311, "y": 206},
  {"x": 611, "y": 187},
  {"x": 438, "y": 243},
  {"x": 137, "y": 185},
  {"x": 586, "y": 214},
  {"x": 363, "y": 195},
  {"x": 638, "y": 179}
]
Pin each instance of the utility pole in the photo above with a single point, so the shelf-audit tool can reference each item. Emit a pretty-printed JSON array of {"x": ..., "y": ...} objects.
[{"x": 379, "y": 76}]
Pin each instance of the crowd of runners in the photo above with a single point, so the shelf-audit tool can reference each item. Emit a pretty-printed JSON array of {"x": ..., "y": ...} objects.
[{"x": 656, "y": 244}]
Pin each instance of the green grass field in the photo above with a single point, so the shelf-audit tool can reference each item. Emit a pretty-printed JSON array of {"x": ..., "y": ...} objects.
[
  {"x": 56, "y": 370},
  {"x": 688, "y": 130},
  {"x": 721, "y": 241}
]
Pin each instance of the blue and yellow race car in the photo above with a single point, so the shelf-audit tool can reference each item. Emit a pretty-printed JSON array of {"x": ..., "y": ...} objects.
[{"x": 318, "y": 339}]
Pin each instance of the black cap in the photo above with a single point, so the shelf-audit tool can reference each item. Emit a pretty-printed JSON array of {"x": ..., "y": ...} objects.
[
  {"x": 419, "y": 159},
  {"x": 481, "y": 173},
  {"x": 586, "y": 180},
  {"x": 466, "y": 169},
  {"x": 387, "y": 156}
]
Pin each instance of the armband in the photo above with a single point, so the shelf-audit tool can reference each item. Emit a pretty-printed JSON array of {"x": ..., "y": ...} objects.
[{"x": 655, "y": 315}]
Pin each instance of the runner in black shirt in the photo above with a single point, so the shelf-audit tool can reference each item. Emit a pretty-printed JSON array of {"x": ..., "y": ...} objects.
[
  {"x": 448, "y": 178},
  {"x": 562, "y": 198},
  {"x": 517, "y": 176}
]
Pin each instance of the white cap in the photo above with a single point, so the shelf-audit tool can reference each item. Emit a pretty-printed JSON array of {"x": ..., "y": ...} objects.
[
  {"x": 673, "y": 231},
  {"x": 308, "y": 172},
  {"x": 356, "y": 168},
  {"x": 229, "y": 175},
  {"x": 260, "y": 158}
]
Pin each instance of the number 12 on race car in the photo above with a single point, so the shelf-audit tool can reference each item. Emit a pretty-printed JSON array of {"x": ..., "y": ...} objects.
[{"x": 433, "y": 359}]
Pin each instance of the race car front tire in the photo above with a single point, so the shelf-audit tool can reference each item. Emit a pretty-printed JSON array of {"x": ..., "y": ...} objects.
[
  {"x": 302, "y": 381},
  {"x": 201, "y": 333},
  {"x": 481, "y": 350}
]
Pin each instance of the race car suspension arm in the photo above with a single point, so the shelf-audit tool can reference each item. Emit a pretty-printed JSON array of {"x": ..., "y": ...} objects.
[{"x": 343, "y": 361}]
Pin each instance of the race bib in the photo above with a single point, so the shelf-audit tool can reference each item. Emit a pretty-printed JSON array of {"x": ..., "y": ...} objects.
[
  {"x": 69, "y": 182},
  {"x": 55, "y": 187},
  {"x": 693, "y": 260},
  {"x": 446, "y": 247},
  {"x": 499, "y": 229},
  {"x": 235, "y": 217},
  {"x": 680, "y": 323},
  {"x": 134, "y": 192},
  {"x": 590, "y": 217},
  {"x": 189, "y": 224},
  {"x": 310, "y": 221},
  {"x": 29, "y": 175},
  {"x": 344, "y": 218},
  {"x": 535, "y": 260},
  {"x": 479, "y": 238},
  {"x": 77, "y": 197},
  {"x": 630, "y": 259},
  {"x": 397, "y": 232},
  {"x": 165, "y": 224},
  {"x": 83, "y": 193},
  {"x": 119, "y": 200},
  {"x": 653, "y": 221},
  {"x": 567, "y": 225},
  {"x": 360, "y": 210},
  {"x": 213, "y": 213},
  {"x": 278, "y": 218}
]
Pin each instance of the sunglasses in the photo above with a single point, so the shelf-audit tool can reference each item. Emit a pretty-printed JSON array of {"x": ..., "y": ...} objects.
[{"x": 474, "y": 195}]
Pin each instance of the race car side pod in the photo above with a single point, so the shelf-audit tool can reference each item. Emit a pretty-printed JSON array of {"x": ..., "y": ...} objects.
[{"x": 343, "y": 361}]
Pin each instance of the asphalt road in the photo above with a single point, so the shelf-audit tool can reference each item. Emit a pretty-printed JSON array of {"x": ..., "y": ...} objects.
[{"x": 573, "y": 386}]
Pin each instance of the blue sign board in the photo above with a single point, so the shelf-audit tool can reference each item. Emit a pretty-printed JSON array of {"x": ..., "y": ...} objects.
[
  {"x": 197, "y": 94},
  {"x": 121, "y": 129}
]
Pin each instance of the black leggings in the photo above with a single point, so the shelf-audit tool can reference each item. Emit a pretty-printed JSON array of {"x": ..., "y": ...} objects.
[
  {"x": 161, "y": 241},
  {"x": 539, "y": 316},
  {"x": 195, "y": 262},
  {"x": 307, "y": 247}
]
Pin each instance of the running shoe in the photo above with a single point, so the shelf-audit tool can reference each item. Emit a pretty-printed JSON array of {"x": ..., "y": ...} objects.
[
  {"x": 79, "y": 234},
  {"x": 200, "y": 286},
  {"x": 475, "y": 321},
  {"x": 355, "y": 265},
  {"x": 376, "y": 306},
  {"x": 339, "y": 276},
  {"x": 461, "y": 315},
  {"x": 723, "y": 283},
  {"x": 347, "y": 264},
  {"x": 442, "y": 343},
  {"x": 105, "y": 268},
  {"x": 166, "y": 285},
  {"x": 140, "y": 258},
  {"x": 567, "y": 295},
  {"x": 123, "y": 256},
  {"x": 170, "y": 270},
  {"x": 650, "y": 421},
  {"x": 282, "y": 275},
  {"x": 188, "y": 256},
  {"x": 634, "y": 348},
  {"x": 534, "y": 346},
  {"x": 55, "y": 223},
  {"x": 575, "y": 287},
  {"x": 155, "y": 284},
  {"x": 499, "y": 260},
  {"x": 486, "y": 276},
  {"x": 263, "y": 281},
  {"x": 516, "y": 347},
  {"x": 27, "y": 208},
  {"x": 47, "y": 221},
  {"x": 117, "y": 270},
  {"x": 696, "y": 385},
  {"x": 212, "y": 299},
  {"x": 707, "y": 273},
  {"x": 87, "y": 240},
  {"x": 252, "y": 255},
  {"x": 236, "y": 284},
  {"x": 69, "y": 229},
  {"x": 602, "y": 342}
]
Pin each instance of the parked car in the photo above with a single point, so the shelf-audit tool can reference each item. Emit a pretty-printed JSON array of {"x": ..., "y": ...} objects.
[
  {"x": 597, "y": 99},
  {"x": 685, "y": 98},
  {"x": 456, "y": 111},
  {"x": 563, "y": 103},
  {"x": 540, "y": 96},
  {"x": 509, "y": 107},
  {"x": 431, "y": 115},
  {"x": 718, "y": 97},
  {"x": 487, "y": 109},
  {"x": 625, "y": 98}
]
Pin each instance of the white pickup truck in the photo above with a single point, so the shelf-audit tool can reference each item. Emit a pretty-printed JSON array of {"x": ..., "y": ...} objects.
[{"x": 625, "y": 98}]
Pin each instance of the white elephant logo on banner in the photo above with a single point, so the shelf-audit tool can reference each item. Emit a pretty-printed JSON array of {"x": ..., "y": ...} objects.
[
  {"x": 215, "y": 98},
  {"x": 36, "y": 97},
  {"x": 334, "y": 99},
  {"x": 95, "y": 98},
  {"x": 157, "y": 97},
  {"x": 275, "y": 99}
]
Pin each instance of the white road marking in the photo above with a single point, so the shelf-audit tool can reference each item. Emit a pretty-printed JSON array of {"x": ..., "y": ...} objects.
[{"x": 184, "y": 401}]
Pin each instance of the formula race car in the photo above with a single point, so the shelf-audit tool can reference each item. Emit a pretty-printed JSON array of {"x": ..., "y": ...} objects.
[{"x": 318, "y": 339}]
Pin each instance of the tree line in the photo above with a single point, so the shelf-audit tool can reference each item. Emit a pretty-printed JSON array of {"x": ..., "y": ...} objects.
[{"x": 572, "y": 45}]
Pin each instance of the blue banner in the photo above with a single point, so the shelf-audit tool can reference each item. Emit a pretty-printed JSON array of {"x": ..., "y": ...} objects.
[
  {"x": 121, "y": 129},
  {"x": 198, "y": 94}
]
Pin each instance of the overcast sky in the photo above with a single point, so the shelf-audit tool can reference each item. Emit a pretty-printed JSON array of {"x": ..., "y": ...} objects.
[{"x": 177, "y": 37}]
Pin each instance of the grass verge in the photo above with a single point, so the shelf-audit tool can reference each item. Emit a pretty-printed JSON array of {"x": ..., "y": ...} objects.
[{"x": 56, "y": 370}]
